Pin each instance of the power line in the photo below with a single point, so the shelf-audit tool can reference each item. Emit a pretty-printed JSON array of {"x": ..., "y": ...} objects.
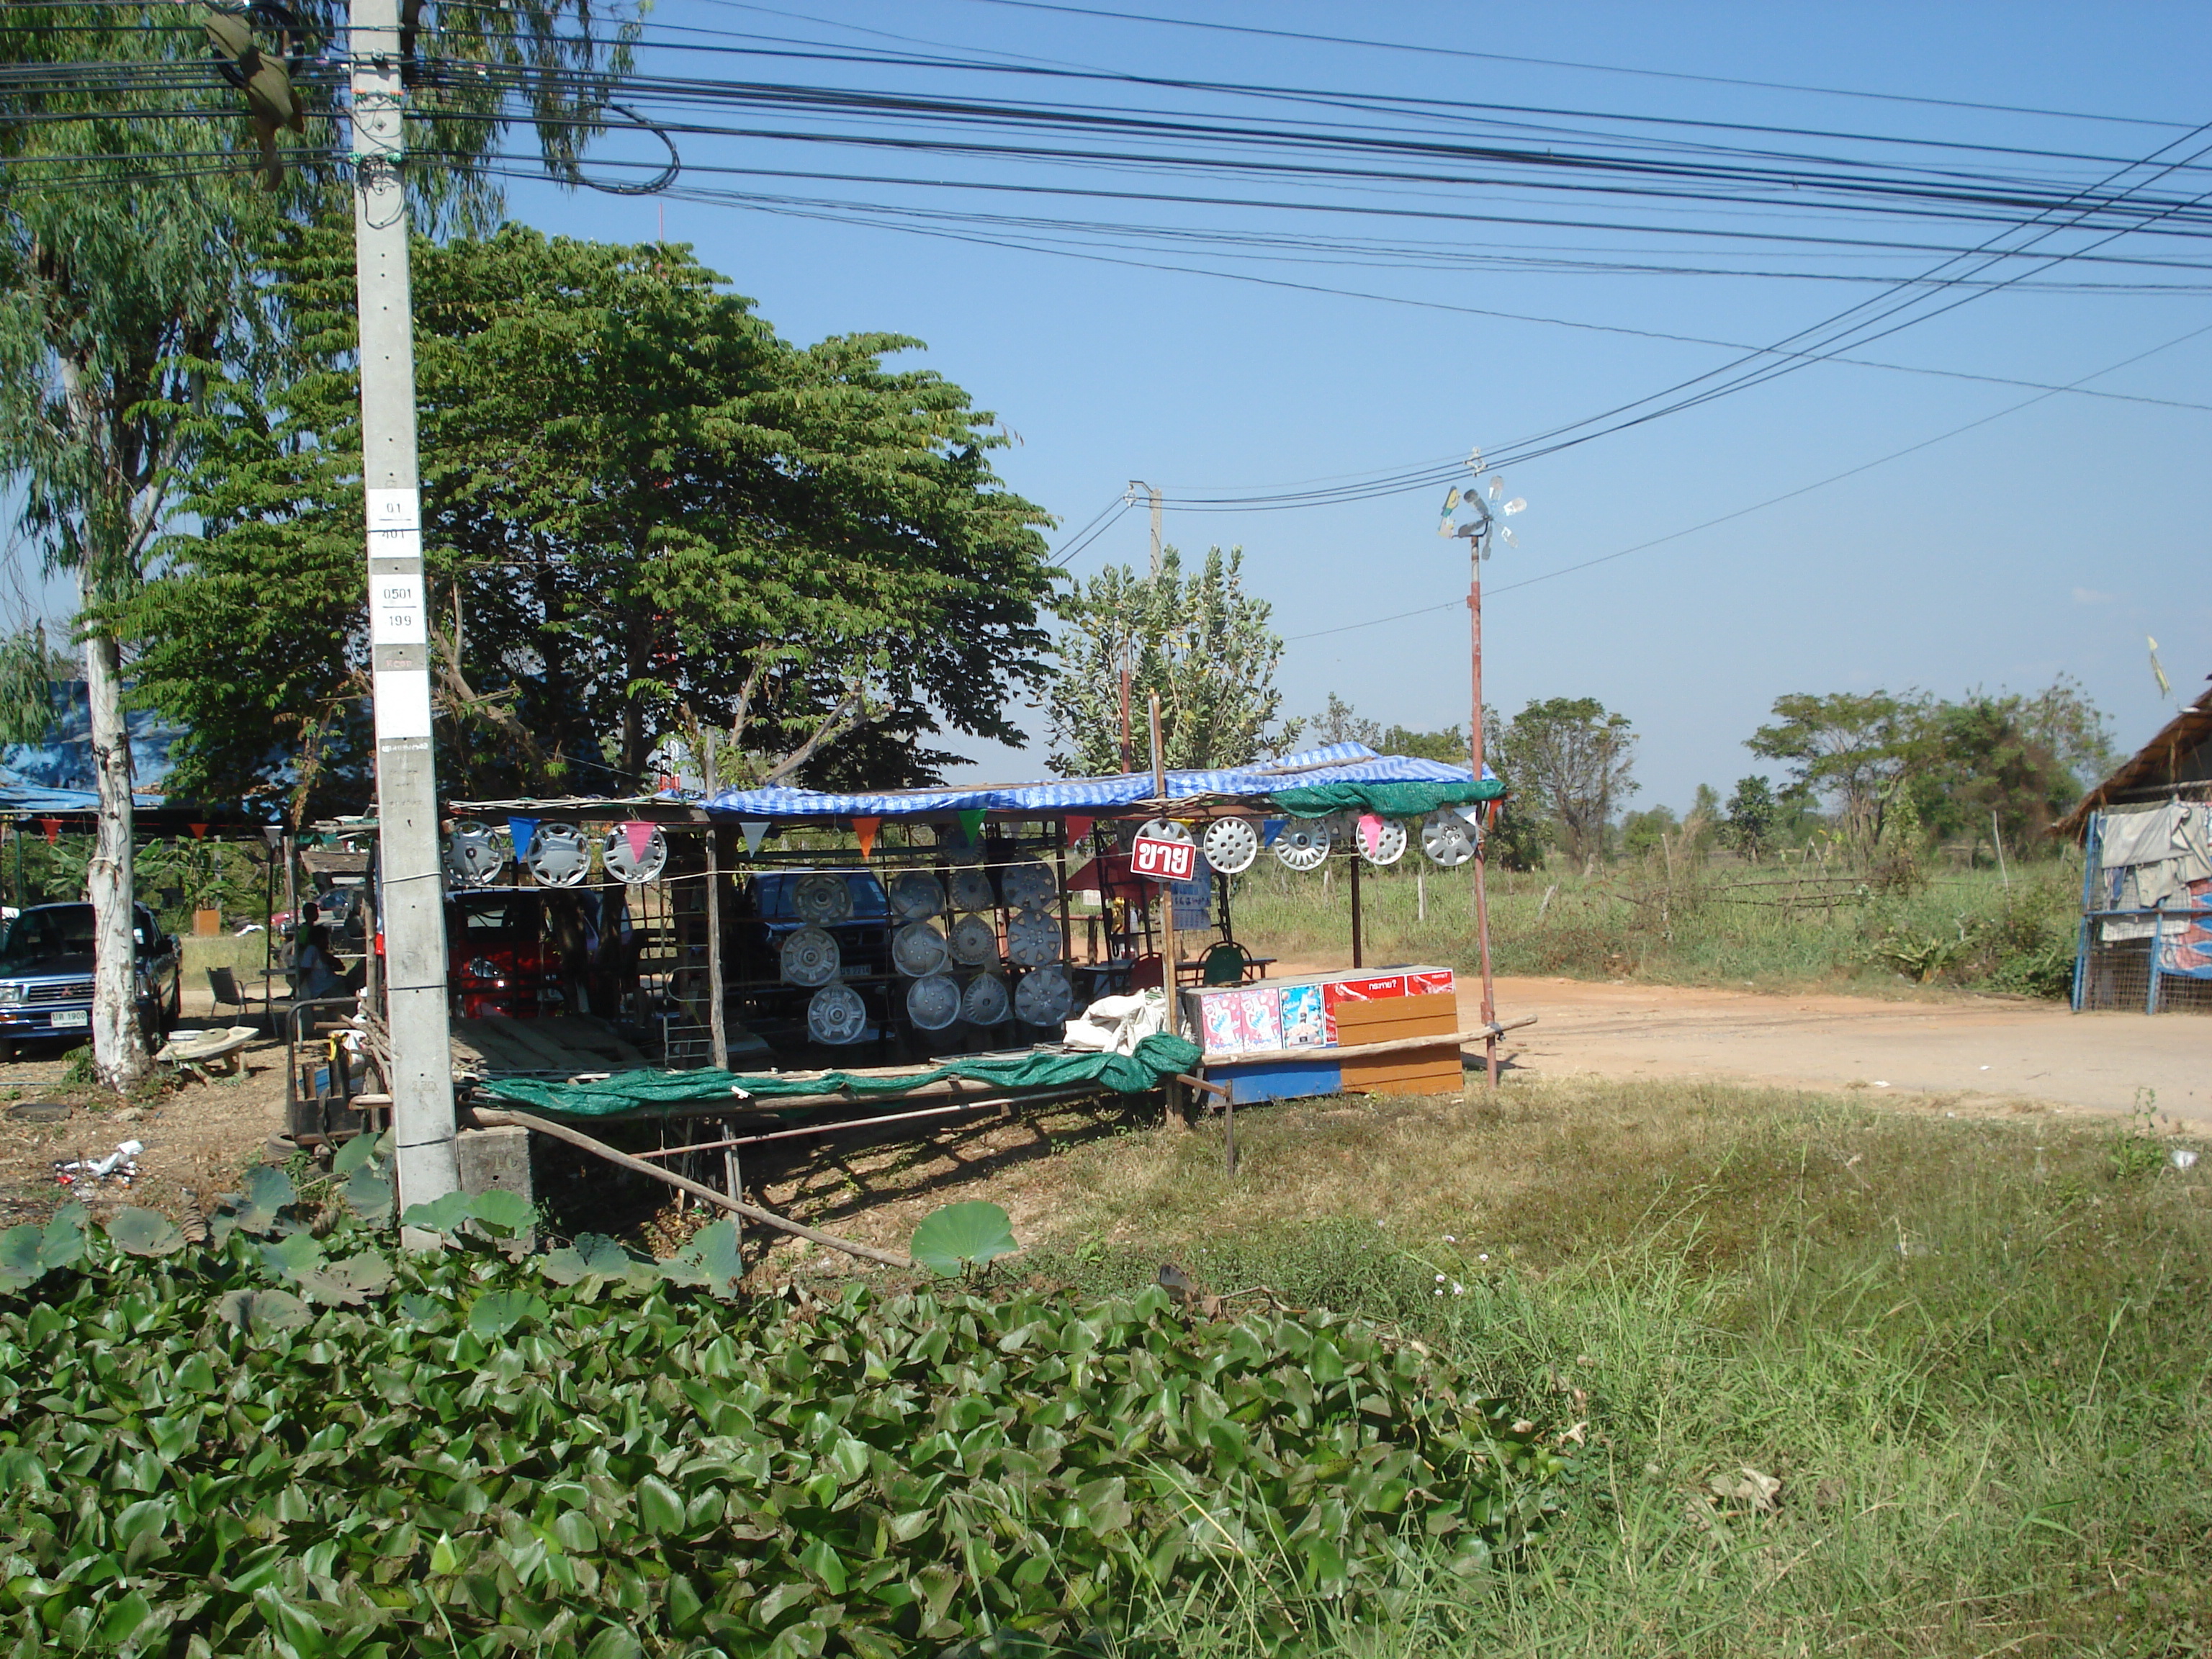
[
  {"x": 1555, "y": 63},
  {"x": 1756, "y": 507}
]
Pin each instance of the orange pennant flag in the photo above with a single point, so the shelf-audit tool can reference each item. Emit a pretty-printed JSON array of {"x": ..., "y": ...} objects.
[
  {"x": 865, "y": 829},
  {"x": 199, "y": 831}
]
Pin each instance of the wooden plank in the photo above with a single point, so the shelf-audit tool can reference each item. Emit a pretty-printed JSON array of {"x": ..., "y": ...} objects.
[
  {"x": 1402, "y": 1075},
  {"x": 1407, "y": 1067},
  {"x": 1388, "y": 1017},
  {"x": 1397, "y": 1045}
]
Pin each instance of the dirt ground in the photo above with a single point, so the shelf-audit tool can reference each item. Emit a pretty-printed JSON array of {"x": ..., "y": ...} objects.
[
  {"x": 1968, "y": 1052},
  {"x": 2002, "y": 1048},
  {"x": 198, "y": 1136}
]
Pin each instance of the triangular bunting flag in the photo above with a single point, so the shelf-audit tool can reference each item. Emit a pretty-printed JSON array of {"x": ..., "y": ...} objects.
[
  {"x": 53, "y": 829},
  {"x": 971, "y": 825},
  {"x": 199, "y": 831},
  {"x": 1078, "y": 829},
  {"x": 522, "y": 832},
  {"x": 639, "y": 835},
  {"x": 755, "y": 831},
  {"x": 1371, "y": 832},
  {"x": 1271, "y": 827},
  {"x": 864, "y": 830}
]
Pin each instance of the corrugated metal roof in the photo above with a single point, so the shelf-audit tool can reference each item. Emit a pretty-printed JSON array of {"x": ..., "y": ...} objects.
[{"x": 2152, "y": 769}]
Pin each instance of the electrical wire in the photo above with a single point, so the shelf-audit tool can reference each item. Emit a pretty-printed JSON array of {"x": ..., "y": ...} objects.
[
  {"x": 1756, "y": 507},
  {"x": 1554, "y": 63}
]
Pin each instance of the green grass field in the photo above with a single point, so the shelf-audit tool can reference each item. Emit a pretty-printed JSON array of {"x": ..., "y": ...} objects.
[
  {"x": 1720, "y": 923},
  {"x": 1973, "y": 1354}
]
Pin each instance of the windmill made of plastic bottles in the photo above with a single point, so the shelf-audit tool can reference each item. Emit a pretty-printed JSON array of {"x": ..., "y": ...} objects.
[{"x": 1479, "y": 512}]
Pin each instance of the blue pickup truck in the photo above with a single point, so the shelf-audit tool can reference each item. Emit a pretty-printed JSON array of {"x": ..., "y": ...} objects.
[{"x": 45, "y": 975}]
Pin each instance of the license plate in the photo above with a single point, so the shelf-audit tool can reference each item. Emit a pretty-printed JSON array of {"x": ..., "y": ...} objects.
[{"x": 72, "y": 1017}]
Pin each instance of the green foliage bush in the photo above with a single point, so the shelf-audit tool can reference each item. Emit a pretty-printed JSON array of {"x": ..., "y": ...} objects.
[{"x": 299, "y": 1445}]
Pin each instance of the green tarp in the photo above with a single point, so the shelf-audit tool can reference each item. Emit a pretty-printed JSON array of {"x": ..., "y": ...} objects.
[
  {"x": 1157, "y": 1058},
  {"x": 1389, "y": 800}
]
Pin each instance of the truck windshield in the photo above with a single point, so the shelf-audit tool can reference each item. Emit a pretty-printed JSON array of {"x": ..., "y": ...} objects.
[{"x": 47, "y": 934}]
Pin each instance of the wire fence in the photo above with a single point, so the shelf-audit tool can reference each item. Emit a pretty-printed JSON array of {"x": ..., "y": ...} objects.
[{"x": 2153, "y": 958}]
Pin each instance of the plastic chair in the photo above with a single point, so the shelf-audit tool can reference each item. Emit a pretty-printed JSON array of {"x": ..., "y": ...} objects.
[
  {"x": 224, "y": 984},
  {"x": 1144, "y": 972},
  {"x": 1224, "y": 965}
]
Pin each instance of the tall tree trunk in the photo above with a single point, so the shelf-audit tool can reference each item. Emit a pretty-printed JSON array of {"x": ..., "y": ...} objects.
[
  {"x": 118, "y": 1045},
  {"x": 637, "y": 657}
]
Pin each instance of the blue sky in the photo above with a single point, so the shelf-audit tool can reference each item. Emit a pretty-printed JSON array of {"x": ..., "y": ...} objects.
[{"x": 2049, "y": 540}]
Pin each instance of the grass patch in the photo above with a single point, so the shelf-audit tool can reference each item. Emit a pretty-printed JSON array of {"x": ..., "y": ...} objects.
[
  {"x": 1719, "y": 923},
  {"x": 1973, "y": 1353}
]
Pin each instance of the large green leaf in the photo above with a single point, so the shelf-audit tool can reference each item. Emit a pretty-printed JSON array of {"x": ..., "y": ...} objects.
[
  {"x": 496, "y": 1313},
  {"x": 145, "y": 1232},
  {"x": 593, "y": 1255},
  {"x": 268, "y": 1190},
  {"x": 959, "y": 1235},
  {"x": 369, "y": 1196},
  {"x": 711, "y": 1260},
  {"x": 446, "y": 1213},
  {"x": 502, "y": 1214},
  {"x": 348, "y": 1282},
  {"x": 362, "y": 1152},
  {"x": 257, "y": 1313}
]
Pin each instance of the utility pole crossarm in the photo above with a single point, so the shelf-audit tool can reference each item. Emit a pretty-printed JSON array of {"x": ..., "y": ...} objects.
[{"x": 411, "y": 903}]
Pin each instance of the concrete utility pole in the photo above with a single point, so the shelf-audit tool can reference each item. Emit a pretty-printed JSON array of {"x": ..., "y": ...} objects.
[
  {"x": 412, "y": 874},
  {"x": 1134, "y": 485}
]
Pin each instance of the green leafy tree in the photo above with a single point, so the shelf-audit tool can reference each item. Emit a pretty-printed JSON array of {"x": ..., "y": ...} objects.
[
  {"x": 1575, "y": 760},
  {"x": 645, "y": 517},
  {"x": 1643, "y": 832},
  {"x": 1340, "y": 722},
  {"x": 1448, "y": 745},
  {"x": 1755, "y": 817},
  {"x": 1201, "y": 641},
  {"x": 125, "y": 276},
  {"x": 1847, "y": 747},
  {"x": 2013, "y": 762}
]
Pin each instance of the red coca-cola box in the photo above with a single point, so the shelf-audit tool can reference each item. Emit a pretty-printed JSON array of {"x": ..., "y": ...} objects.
[
  {"x": 1429, "y": 981},
  {"x": 1337, "y": 991}
]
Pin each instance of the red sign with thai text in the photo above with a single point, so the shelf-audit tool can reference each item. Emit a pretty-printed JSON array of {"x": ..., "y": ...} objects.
[{"x": 1164, "y": 861}]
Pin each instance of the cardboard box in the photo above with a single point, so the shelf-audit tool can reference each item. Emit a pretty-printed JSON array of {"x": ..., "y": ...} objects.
[
  {"x": 1305, "y": 1024},
  {"x": 1259, "y": 1019}
]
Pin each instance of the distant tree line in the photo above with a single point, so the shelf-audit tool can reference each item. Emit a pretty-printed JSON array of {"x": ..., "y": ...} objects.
[{"x": 1873, "y": 770}]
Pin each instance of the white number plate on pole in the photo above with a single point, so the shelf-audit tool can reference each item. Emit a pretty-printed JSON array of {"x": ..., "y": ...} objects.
[{"x": 1164, "y": 861}]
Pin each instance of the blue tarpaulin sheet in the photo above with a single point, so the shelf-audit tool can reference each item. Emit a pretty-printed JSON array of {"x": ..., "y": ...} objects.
[{"x": 1340, "y": 763}]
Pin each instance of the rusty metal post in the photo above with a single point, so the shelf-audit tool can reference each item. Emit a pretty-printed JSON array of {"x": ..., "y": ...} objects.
[
  {"x": 1481, "y": 840},
  {"x": 1358, "y": 944}
]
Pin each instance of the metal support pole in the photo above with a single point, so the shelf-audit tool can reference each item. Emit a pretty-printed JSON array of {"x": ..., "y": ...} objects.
[
  {"x": 413, "y": 907},
  {"x": 1358, "y": 942},
  {"x": 1482, "y": 840},
  {"x": 1172, "y": 1090}
]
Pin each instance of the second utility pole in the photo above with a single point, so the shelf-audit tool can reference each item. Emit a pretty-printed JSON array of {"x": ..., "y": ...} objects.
[
  {"x": 410, "y": 905},
  {"x": 1135, "y": 485}
]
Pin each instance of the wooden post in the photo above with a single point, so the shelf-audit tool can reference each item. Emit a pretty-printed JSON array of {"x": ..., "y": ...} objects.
[
  {"x": 1168, "y": 987},
  {"x": 718, "y": 1034}
]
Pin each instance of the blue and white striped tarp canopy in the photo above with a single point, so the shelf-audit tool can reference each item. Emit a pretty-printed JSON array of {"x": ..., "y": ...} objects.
[{"x": 1340, "y": 762}]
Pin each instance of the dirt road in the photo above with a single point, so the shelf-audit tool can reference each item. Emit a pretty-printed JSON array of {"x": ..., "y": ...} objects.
[{"x": 1973, "y": 1046}]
